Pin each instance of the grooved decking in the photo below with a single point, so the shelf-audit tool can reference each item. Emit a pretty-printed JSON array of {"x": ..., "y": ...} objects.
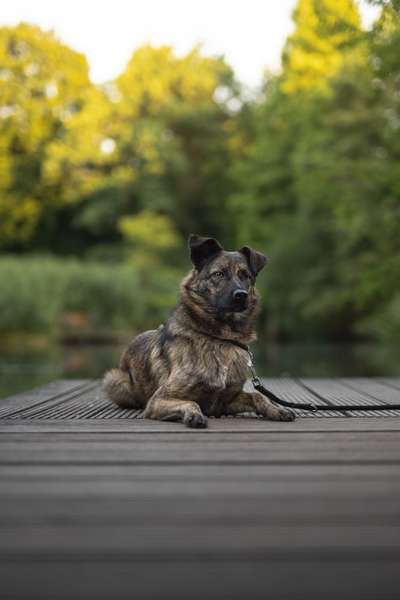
[{"x": 96, "y": 502}]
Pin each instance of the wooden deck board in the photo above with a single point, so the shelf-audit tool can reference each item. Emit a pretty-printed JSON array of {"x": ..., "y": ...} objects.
[
  {"x": 278, "y": 577},
  {"x": 98, "y": 503},
  {"x": 46, "y": 393}
]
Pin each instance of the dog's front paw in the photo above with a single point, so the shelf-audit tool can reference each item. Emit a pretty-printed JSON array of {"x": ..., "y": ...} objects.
[
  {"x": 195, "y": 420},
  {"x": 277, "y": 413},
  {"x": 286, "y": 415}
]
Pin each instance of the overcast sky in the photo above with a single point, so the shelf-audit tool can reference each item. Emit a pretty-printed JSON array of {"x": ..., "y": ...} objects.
[{"x": 250, "y": 34}]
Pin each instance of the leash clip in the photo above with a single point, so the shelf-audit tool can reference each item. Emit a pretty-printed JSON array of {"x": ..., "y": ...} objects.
[{"x": 255, "y": 380}]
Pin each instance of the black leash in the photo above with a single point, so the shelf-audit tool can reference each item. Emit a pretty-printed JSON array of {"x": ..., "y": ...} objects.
[{"x": 307, "y": 405}]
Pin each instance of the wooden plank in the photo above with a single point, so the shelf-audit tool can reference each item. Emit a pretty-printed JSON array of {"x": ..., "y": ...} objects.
[
  {"x": 65, "y": 490},
  {"x": 218, "y": 439},
  {"x": 375, "y": 390},
  {"x": 224, "y": 442},
  {"x": 138, "y": 540},
  {"x": 330, "y": 482},
  {"x": 351, "y": 450},
  {"x": 237, "y": 424},
  {"x": 39, "y": 395},
  {"x": 292, "y": 391},
  {"x": 86, "y": 400},
  {"x": 337, "y": 392},
  {"x": 29, "y": 397},
  {"x": 87, "y": 392},
  {"x": 337, "y": 574},
  {"x": 391, "y": 381},
  {"x": 303, "y": 474},
  {"x": 271, "y": 509}
]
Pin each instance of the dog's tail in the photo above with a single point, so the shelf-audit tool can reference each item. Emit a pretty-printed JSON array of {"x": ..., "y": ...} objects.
[{"x": 118, "y": 388}]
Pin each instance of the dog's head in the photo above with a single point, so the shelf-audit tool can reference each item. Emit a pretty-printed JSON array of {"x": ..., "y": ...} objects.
[{"x": 224, "y": 282}]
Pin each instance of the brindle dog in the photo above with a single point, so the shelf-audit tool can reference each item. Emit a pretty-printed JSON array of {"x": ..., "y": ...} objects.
[{"x": 190, "y": 368}]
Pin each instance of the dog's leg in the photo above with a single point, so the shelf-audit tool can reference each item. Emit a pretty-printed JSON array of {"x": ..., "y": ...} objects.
[
  {"x": 255, "y": 402},
  {"x": 172, "y": 409},
  {"x": 121, "y": 389}
]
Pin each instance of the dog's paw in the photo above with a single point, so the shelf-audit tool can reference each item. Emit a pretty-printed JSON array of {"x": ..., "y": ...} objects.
[
  {"x": 195, "y": 420},
  {"x": 284, "y": 414},
  {"x": 278, "y": 414}
]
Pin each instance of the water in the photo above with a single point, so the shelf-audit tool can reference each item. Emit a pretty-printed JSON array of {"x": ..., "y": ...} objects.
[{"x": 23, "y": 368}]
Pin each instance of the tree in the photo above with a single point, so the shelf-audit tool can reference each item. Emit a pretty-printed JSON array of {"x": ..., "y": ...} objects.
[
  {"x": 42, "y": 83},
  {"x": 317, "y": 50},
  {"x": 159, "y": 138},
  {"x": 284, "y": 165},
  {"x": 180, "y": 110},
  {"x": 355, "y": 146}
]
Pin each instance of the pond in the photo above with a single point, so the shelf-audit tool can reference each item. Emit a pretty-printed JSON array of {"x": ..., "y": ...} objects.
[{"x": 23, "y": 368}]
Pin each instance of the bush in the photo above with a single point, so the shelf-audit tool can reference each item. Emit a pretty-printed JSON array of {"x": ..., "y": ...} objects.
[
  {"x": 31, "y": 294},
  {"x": 108, "y": 295},
  {"x": 384, "y": 324},
  {"x": 46, "y": 295}
]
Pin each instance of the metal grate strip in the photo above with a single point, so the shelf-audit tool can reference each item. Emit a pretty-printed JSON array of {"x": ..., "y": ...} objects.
[
  {"x": 289, "y": 389},
  {"x": 56, "y": 403},
  {"x": 337, "y": 392},
  {"x": 87, "y": 401},
  {"x": 393, "y": 382},
  {"x": 377, "y": 391},
  {"x": 42, "y": 396},
  {"x": 68, "y": 408}
]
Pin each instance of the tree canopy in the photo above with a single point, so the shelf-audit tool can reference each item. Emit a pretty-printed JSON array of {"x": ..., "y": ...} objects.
[
  {"x": 42, "y": 84},
  {"x": 307, "y": 170}
]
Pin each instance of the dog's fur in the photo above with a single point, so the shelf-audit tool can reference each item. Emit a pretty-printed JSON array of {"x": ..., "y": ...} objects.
[{"x": 188, "y": 368}]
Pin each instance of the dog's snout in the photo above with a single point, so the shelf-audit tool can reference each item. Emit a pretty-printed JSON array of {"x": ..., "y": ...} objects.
[{"x": 240, "y": 296}]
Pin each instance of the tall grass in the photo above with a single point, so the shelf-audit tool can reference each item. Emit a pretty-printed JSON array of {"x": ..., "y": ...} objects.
[{"x": 46, "y": 295}]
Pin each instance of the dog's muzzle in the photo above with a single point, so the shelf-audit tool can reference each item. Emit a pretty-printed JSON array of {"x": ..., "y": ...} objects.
[{"x": 240, "y": 299}]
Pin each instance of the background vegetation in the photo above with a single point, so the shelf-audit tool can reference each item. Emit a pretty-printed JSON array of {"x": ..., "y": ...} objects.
[{"x": 100, "y": 185}]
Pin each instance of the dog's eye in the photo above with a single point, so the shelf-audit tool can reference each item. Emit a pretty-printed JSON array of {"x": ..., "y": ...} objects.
[{"x": 218, "y": 274}]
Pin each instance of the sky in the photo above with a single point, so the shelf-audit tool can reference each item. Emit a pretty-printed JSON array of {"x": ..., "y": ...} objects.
[{"x": 249, "y": 34}]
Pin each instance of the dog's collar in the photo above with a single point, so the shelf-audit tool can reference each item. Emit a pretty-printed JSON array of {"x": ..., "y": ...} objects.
[
  {"x": 228, "y": 341},
  {"x": 215, "y": 337}
]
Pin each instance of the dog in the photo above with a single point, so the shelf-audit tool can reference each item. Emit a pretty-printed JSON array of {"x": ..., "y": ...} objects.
[{"x": 195, "y": 365}]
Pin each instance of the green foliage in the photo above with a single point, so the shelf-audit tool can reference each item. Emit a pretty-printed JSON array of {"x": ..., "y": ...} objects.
[
  {"x": 42, "y": 83},
  {"x": 384, "y": 322},
  {"x": 150, "y": 230},
  {"x": 319, "y": 188},
  {"x": 157, "y": 139},
  {"x": 31, "y": 294},
  {"x": 105, "y": 295},
  {"x": 48, "y": 295},
  {"x": 318, "y": 48},
  {"x": 118, "y": 175}
]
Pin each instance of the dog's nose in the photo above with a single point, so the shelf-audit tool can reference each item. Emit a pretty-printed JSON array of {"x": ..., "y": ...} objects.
[{"x": 240, "y": 296}]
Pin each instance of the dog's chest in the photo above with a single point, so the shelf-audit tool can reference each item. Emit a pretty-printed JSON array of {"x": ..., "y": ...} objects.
[{"x": 225, "y": 365}]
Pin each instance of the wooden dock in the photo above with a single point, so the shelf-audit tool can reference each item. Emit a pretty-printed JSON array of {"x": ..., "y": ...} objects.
[{"x": 98, "y": 503}]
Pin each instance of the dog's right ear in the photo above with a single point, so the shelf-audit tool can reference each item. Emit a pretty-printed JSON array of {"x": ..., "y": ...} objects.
[
  {"x": 255, "y": 260},
  {"x": 202, "y": 249}
]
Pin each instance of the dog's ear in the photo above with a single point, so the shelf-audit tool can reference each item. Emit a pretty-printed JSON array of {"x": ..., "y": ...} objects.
[
  {"x": 202, "y": 249},
  {"x": 255, "y": 260}
]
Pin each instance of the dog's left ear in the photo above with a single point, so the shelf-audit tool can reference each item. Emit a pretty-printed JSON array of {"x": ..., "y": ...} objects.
[
  {"x": 202, "y": 249},
  {"x": 255, "y": 260}
]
